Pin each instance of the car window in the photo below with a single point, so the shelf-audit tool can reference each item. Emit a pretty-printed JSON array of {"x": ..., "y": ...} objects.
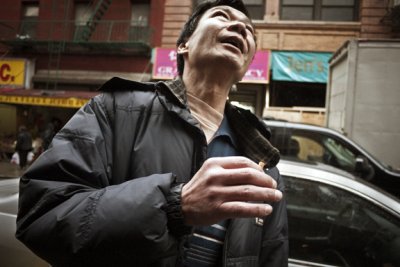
[
  {"x": 311, "y": 146},
  {"x": 298, "y": 145},
  {"x": 329, "y": 225},
  {"x": 310, "y": 150},
  {"x": 341, "y": 156}
]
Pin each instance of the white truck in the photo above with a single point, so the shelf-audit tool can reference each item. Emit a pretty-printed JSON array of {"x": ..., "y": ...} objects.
[{"x": 363, "y": 96}]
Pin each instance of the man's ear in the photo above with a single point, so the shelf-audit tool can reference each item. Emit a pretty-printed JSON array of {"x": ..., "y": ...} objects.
[{"x": 182, "y": 48}]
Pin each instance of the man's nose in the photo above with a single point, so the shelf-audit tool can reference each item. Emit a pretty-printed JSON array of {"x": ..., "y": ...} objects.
[{"x": 238, "y": 27}]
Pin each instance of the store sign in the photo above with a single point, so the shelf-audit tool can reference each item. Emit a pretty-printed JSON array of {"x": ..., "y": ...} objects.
[
  {"x": 164, "y": 63},
  {"x": 12, "y": 72},
  {"x": 258, "y": 71},
  {"x": 44, "y": 101},
  {"x": 300, "y": 66},
  {"x": 165, "y": 67}
]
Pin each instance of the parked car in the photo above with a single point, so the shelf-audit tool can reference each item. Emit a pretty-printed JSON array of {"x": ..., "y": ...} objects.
[
  {"x": 311, "y": 143},
  {"x": 12, "y": 252},
  {"x": 336, "y": 219}
]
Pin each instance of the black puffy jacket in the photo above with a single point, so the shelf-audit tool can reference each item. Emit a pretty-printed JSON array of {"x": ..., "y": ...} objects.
[{"x": 97, "y": 196}]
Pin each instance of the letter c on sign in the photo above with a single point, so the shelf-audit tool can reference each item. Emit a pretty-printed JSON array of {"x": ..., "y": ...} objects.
[{"x": 3, "y": 75}]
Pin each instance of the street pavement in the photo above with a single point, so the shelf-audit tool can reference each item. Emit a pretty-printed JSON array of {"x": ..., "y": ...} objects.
[{"x": 8, "y": 170}]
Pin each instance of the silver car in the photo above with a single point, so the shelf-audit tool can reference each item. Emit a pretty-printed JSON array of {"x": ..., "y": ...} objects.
[{"x": 12, "y": 252}]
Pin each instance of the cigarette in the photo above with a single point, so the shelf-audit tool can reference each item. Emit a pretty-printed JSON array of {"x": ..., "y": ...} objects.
[{"x": 261, "y": 164}]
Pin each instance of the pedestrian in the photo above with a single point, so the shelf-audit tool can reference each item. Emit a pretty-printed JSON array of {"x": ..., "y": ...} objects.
[
  {"x": 23, "y": 146},
  {"x": 166, "y": 173}
]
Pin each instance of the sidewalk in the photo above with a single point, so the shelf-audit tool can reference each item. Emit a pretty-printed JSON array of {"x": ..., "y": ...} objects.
[{"x": 8, "y": 170}]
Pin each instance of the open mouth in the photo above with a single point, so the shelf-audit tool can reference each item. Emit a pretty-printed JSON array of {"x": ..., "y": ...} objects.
[{"x": 234, "y": 41}]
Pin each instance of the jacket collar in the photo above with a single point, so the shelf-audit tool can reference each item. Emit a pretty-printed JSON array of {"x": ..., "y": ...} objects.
[
  {"x": 252, "y": 135},
  {"x": 178, "y": 89}
]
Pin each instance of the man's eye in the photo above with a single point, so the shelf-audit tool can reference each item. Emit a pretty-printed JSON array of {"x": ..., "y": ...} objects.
[{"x": 221, "y": 14}]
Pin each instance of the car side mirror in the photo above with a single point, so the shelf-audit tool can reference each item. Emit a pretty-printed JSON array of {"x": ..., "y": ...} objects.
[
  {"x": 361, "y": 164},
  {"x": 363, "y": 168}
]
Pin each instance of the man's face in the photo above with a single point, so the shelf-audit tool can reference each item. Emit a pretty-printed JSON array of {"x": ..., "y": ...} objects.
[{"x": 224, "y": 38}]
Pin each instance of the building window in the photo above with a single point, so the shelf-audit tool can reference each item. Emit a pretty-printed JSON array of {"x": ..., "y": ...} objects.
[
  {"x": 139, "y": 29},
  {"x": 30, "y": 14},
  {"x": 324, "y": 10},
  {"x": 296, "y": 94},
  {"x": 256, "y": 8},
  {"x": 140, "y": 15},
  {"x": 83, "y": 13}
]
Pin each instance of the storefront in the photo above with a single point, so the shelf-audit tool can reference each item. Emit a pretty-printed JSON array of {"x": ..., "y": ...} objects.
[
  {"x": 31, "y": 107},
  {"x": 35, "y": 109},
  {"x": 249, "y": 93},
  {"x": 298, "y": 86}
]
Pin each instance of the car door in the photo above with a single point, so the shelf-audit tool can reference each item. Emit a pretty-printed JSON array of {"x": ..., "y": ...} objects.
[{"x": 334, "y": 226}]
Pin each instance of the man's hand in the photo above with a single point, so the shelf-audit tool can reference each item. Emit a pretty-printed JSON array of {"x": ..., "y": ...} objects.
[{"x": 228, "y": 187}]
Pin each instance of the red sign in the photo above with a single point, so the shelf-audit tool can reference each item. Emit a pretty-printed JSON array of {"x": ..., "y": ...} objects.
[{"x": 164, "y": 66}]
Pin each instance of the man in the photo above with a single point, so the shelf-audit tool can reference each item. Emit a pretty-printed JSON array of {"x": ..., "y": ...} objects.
[
  {"x": 23, "y": 146},
  {"x": 163, "y": 174}
]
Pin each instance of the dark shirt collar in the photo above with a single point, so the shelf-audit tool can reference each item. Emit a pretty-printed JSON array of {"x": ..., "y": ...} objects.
[
  {"x": 226, "y": 130},
  {"x": 223, "y": 143}
]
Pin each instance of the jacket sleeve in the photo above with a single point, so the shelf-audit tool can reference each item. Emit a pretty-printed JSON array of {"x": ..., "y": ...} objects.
[
  {"x": 70, "y": 215},
  {"x": 275, "y": 244}
]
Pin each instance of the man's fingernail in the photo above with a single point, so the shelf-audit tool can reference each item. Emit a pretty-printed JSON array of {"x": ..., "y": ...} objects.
[
  {"x": 278, "y": 195},
  {"x": 268, "y": 209},
  {"x": 274, "y": 185}
]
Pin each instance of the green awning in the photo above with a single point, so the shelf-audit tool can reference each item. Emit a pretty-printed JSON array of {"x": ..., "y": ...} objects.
[{"x": 300, "y": 66}]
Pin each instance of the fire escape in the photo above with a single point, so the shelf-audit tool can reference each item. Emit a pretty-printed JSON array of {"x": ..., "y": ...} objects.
[
  {"x": 87, "y": 31},
  {"x": 56, "y": 36}
]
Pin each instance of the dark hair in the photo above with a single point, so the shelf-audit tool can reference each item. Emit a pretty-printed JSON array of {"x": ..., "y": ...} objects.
[
  {"x": 191, "y": 25},
  {"x": 22, "y": 128}
]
